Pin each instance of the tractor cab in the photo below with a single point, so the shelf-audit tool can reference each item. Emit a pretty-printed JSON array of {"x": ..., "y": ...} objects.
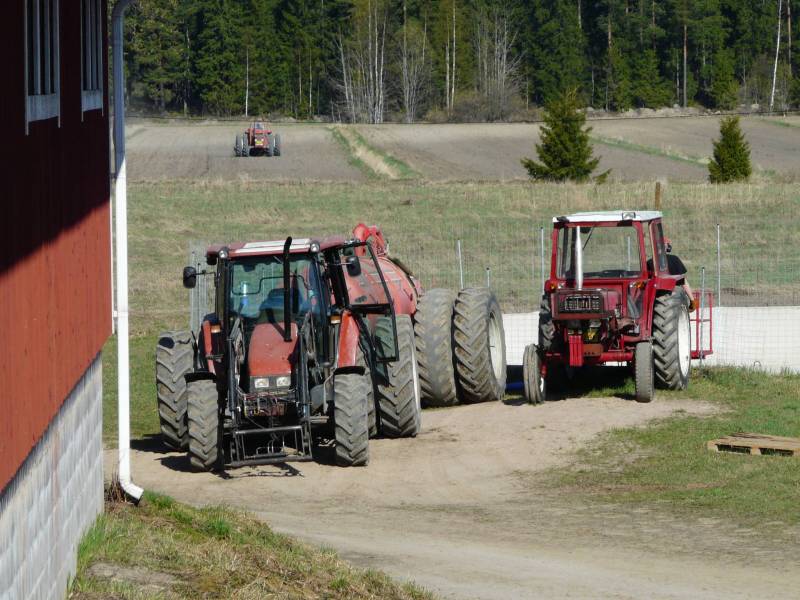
[
  {"x": 611, "y": 298},
  {"x": 288, "y": 315}
]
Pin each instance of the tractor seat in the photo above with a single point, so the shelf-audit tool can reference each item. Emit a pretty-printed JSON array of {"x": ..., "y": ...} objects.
[{"x": 272, "y": 307}]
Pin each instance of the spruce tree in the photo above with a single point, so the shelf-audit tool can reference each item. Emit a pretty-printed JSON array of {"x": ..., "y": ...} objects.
[
  {"x": 565, "y": 152},
  {"x": 731, "y": 160},
  {"x": 724, "y": 86}
]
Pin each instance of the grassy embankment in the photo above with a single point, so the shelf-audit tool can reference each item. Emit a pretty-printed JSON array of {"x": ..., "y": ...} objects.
[{"x": 167, "y": 550}]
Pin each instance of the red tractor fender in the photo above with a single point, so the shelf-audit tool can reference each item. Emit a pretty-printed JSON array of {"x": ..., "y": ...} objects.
[
  {"x": 656, "y": 286},
  {"x": 349, "y": 337},
  {"x": 211, "y": 341}
]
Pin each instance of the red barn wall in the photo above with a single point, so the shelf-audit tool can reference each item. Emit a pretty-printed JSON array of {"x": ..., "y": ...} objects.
[{"x": 55, "y": 279}]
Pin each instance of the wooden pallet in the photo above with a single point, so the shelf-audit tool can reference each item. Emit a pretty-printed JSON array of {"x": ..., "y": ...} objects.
[{"x": 754, "y": 443}]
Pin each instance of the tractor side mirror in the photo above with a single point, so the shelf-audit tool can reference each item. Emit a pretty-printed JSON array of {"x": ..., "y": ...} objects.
[
  {"x": 353, "y": 266},
  {"x": 189, "y": 277}
]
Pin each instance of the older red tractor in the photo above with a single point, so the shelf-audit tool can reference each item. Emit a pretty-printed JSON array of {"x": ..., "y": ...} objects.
[
  {"x": 306, "y": 335},
  {"x": 257, "y": 140},
  {"x": 611, "y": 298}
]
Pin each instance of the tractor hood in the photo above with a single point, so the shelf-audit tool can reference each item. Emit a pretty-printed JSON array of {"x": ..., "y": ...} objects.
[{"x": 269, "y": 354}]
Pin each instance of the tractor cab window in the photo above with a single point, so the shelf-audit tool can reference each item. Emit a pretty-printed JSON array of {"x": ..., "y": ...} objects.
[
  {"x": 608, "y": 252},
  {"x": 256, "y": 292},
  {"x": 660, "y": 247},
  {"x": 363, "y": 280}
]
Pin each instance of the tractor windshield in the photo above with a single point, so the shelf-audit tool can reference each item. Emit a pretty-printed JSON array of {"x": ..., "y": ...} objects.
[
  {"x": 256, "y": 290},
  {"x": 608, "y": 252}
]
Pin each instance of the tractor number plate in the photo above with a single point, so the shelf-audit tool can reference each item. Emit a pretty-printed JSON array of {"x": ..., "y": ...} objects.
[{"x": 580, "y": 304}]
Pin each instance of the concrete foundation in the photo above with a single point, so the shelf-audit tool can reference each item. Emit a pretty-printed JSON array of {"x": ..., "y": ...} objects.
[{"x": 54, "y": 497}]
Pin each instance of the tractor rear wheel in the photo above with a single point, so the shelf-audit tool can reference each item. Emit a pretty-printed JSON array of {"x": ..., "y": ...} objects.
[
  {"x": 479, "y": 346},
  {"x": 643, "y": 371},
  {"x": 534, "y": 384},
  {"x": 174, "y": 359},
  {"x": 350, "y": 419},
  {"x": 277, "y": 149},
  {"x": 205, "y": 433},
  {"x": 672, "y": 340},
  {"x": 547, "y": 330},
  {"x": 398, "y": 388},
  {"x": 237, "y": 149},
  {"x": 433, "y": 324}
]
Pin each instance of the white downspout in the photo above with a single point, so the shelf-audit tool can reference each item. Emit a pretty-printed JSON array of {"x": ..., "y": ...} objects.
[
  {"x": 578, "y": 259},
  {"x": 121, "y": 201}
]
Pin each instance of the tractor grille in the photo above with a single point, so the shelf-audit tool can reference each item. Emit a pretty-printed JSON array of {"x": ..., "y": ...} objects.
[
  {"x": 264, "y": 404},
  {"x": 583, "y": 303}
]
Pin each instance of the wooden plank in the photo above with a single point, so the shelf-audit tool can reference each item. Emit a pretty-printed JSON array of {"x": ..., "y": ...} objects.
[{"x": 753, "y": 443}]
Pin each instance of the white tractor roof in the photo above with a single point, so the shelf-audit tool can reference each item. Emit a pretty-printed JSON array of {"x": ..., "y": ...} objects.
[{"x": 609, "y": 215}]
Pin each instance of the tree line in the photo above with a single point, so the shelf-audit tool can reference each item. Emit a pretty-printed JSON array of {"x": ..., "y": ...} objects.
[{"x": 406, "y": 60}]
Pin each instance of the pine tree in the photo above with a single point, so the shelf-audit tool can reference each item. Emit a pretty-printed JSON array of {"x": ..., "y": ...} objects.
[
  {"x": 724, "y": 87},
  {"x": 565, "y": 152},
  {"x": 731, "y": 160},
  {"x": 648, "y": 86}
]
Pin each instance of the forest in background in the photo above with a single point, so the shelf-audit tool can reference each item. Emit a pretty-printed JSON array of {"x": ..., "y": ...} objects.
[{"x": 459, "y": 60}]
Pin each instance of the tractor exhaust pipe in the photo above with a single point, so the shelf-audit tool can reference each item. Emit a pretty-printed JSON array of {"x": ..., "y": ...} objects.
[
  {"x": 287, "y": 305},
  {"x": 578, "y": 259}
]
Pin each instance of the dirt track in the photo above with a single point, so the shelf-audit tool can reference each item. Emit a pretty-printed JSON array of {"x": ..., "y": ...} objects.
[
  {"x": 463, "y": 513},
  {"x": 449, "y": 152}
]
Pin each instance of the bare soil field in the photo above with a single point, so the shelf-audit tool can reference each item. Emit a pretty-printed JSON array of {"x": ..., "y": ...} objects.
[
  {"x": 772, "y": 147},
  {"x": 465, "y": 514},
  {"x": 492, "y": 151},
  {"x": 446, "y": 152},
  {"x": 159, "y": 152}
]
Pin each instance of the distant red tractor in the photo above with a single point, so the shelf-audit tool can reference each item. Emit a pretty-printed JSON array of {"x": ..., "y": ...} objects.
[
  {"x": 611, "y": 298},
  {"x": 329, "y": 336},
  {"x": 258, "y": 140}
]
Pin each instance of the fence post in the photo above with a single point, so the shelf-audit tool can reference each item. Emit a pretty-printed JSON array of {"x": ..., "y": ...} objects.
[
  {"x": 702, "y": 310},
  {"x": 460, "y": 265},
  {"x": 541, "y": 254},
  {"x": 658, "y": 195},
  {"x": 719, "y": 268}
]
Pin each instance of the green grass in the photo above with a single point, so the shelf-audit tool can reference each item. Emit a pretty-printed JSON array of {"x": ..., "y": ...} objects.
[
  {"x": 652, "y": 150},
  {"x": 353, "y": 142},
  {"x": 216, "y": 552},
  {"x": 667, "y": 462},
  {"x": 402, "y": 169}
]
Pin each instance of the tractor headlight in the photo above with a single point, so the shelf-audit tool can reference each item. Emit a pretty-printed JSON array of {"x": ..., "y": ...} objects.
[{"x": 266, "y": 383}]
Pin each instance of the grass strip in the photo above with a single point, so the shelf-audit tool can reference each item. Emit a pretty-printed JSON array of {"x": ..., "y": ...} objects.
[
  {"x": 651, "y": 150},
  {"x": 352, "y": 159},
  {"x": 668, "y": 461},
  {"x": 214, "y": 552}
]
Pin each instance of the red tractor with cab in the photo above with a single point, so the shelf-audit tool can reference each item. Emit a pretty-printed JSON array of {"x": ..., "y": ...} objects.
[
  {"x": 257, "y": 140},
  {"x": 309, "y": 340},
  {"x": 612, "y": 297}
]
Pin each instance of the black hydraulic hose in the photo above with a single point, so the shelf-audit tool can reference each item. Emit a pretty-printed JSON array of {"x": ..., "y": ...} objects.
[{"x": 287, "y": 308}]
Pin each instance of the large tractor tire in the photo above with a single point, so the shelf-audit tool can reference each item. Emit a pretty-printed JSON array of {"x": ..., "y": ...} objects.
[
  {"x": 204, "y": 425},
  {"x": 398, "y": 389},
  {"x": 277, "y": 149},
  {"x": 270, "y": 148},
  {"x": 643, "y": 371},
  {"x": 372, "y": 419},
  {"x": 174, "y": 359},
  {"x": 672, "y": 340},
  {"x": 434, "y": 340},
  {"x": 350, "y": 419},
  {"x": 534, "y": 385},
  {"x": 547, "y": 329},
  {"x": 479, "y": 346}
]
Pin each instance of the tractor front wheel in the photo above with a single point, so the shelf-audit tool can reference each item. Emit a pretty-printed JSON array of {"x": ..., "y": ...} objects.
[
  {"x": 671, "y": 340},
  {"x": 174, "y": 359},
  {"x": 534, "y": 384},
  {"x": 277, "y": 148},
  {"x": 433, "y": 323},
  {"x": 643, "y": 370},
  {"x": 399, "y": 402},
  {"x": 350, "y": 419},
  {"x": 479, "y": 346},
  {"x": 205, "y": 433}
]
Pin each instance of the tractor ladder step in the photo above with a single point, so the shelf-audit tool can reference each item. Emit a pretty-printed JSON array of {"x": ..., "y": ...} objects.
[{"x": 754, "y": 443}]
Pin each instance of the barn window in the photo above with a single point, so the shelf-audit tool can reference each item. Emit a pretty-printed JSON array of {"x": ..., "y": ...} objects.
[
  {"x": 42, "y": 81},
  {"x": 92, "y": 55}
]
